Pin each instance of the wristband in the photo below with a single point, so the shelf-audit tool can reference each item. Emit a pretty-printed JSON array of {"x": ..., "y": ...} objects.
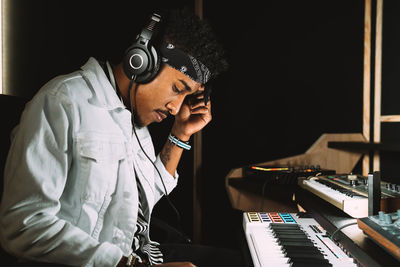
[{"x": 179, "y": 143}]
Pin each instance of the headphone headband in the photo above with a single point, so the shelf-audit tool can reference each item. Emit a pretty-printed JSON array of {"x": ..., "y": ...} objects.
[{"x": 151, "y": 28}]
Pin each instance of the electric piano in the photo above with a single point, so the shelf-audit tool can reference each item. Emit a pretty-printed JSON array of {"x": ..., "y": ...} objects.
[
  {"x": 349, "y": 246},
  {"x": 349, "y": 193},
  {"x": 290, "y": 239}
]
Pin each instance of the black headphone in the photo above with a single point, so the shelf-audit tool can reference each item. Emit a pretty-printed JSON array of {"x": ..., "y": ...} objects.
[{"x": 141, "y": 61}]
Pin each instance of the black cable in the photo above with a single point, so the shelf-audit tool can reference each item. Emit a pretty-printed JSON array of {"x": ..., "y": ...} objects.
[
  {"x": 341, "y": 227},
  {"x": 178, "y": 216},
  {"x": 159, "y": 174}
]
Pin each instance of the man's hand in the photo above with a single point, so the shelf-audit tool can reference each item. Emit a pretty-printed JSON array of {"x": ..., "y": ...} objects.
[{"x": 192, "y": 117}]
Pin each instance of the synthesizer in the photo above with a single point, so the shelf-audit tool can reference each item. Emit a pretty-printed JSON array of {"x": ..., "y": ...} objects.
[
  {"x": 290, "y": 239},
  {"x": 384, "y": 229},
  {"x": 349, "y": 193}
]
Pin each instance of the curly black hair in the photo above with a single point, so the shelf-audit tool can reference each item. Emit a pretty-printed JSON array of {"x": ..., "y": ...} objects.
[{"x": 195, "y": 37}]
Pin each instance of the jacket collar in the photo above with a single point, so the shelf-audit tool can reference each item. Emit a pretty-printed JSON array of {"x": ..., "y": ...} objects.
[{"x": 104, "y": 94}]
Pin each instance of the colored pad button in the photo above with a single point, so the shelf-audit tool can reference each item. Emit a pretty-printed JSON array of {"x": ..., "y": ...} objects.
[
  {"x": 287, "y": 218},
  {"x": 264, "y": 217},
  {"x": 253, "y": 217},
  {"x": 275, "y": 217}
]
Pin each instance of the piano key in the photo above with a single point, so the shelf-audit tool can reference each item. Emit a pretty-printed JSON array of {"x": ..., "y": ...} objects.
[
  {"x": 303, "y": 249},
  {"x": 295, "y": 239},
  {"x": 300, "y": 244},
  {"x": 308, "y": 260},
  {"x": 300, "y": 255},
  {"x": 310, "y": 265}
]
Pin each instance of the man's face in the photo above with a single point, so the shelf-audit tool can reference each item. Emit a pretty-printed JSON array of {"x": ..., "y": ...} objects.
[{"x": 162, "y": 96}]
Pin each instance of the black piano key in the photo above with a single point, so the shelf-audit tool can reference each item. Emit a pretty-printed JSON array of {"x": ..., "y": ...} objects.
[
  {"x": 291, "y": 230},
  {"x": 284, "y": 226},
  {"x": 302, "y": 249},
  {"x": 309, "y": 260},
  {"x": 278, "y": 234},
  {"x": 299, "y": 243},
  {"x": 301, "y": 255},
  {"x": 294, "y": 243},
  {"x": 292, "y": 235},
  {"x": 288, "y": 237},
  {"x": 279, "y": 230},
  {"x": 311, "y": 265},
  {"x": 294, "y": 231}
]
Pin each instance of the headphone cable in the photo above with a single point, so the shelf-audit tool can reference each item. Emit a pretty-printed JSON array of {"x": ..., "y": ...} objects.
[{"x": 178, "y": 216}]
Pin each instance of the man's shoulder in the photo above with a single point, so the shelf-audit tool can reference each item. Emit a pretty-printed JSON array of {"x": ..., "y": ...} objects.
[
  {"x": 88, "y": 84},
  {"x": 69, "y": 87}
]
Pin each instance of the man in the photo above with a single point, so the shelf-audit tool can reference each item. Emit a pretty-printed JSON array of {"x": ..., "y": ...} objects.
[{"x": 81, "y": 177}]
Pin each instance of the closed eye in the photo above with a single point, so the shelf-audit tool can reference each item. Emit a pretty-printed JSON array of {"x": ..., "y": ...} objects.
[{"x": 176, "y": 89}]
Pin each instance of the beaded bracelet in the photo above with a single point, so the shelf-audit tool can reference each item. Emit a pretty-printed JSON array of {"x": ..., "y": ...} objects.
[{"x": 179, "y": 143}]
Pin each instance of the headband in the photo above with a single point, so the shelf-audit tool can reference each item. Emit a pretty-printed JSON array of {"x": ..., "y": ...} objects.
[{"x": 184, "y": 63}]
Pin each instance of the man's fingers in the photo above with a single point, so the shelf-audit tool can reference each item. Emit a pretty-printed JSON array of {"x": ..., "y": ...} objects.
[{"x": 200, "y": 110}]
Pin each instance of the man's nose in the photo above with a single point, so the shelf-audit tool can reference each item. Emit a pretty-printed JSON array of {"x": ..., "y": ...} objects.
[{"x": 175, "y": 106}]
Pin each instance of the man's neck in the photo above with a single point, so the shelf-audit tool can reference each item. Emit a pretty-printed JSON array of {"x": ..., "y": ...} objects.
[{"x": 123, "y": 84}]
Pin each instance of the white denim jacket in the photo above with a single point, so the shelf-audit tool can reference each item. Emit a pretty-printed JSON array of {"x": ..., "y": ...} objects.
[{"x": 70, "y": 192}]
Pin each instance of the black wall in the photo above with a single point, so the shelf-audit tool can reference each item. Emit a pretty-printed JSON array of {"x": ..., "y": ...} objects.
[
  {"x": 390, "y": 132},
  {"x": 296, "y": 72},
  {"x": 46, "y": 38}
]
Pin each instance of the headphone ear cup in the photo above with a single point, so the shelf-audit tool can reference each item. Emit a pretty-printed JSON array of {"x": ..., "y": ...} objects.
[
  {"x": 136, "y": 61},
  {"x": 153, "y": 68},
  {"x": 141, "y": 63}
]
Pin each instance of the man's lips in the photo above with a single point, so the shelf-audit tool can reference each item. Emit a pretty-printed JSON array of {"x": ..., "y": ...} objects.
[{"x": 160, "y": 115}]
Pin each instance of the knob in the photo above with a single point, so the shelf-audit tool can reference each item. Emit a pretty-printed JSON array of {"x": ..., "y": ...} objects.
[{"x": 352, "y": 177}]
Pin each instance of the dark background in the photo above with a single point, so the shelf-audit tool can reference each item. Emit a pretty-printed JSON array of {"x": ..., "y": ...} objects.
[{"x": 296, "y": 72}]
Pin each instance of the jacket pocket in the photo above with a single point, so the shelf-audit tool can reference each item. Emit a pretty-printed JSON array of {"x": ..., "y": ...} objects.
[{"x": 99, "y": 157}]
